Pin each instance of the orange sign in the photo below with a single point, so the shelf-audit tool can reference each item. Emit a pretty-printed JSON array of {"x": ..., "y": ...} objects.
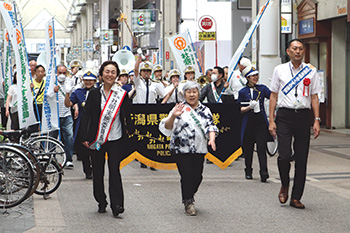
[
  {"x": 50, "y": 32},
  {"x": 180, "y": 43},
  {"x": 7, "y": 37},
  {"x": 7, "y": 6},
  {"x": 18, "y": 36}
]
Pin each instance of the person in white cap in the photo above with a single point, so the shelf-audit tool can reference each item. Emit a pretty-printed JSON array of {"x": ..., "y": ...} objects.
[
  {"x": 237, "y": 81},
  {"x": 78, "y": 99},
  {"x": 158, "y": 72},
  {"x": 147, "y": 91},
  {"x": 123, "y": 81},
  {"x": 173, "y": 94},
  {"x": 254, "y": 122}
]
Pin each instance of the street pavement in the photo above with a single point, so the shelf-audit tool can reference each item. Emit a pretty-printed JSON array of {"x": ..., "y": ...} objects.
[{"x": 226, "y": 201}]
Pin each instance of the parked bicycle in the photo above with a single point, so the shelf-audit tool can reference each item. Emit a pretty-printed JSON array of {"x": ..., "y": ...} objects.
[{"x": 40, "y": 172}]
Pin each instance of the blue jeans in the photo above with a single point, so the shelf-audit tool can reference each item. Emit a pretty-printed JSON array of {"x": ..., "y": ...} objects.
[{"x": 66, "y": 125}]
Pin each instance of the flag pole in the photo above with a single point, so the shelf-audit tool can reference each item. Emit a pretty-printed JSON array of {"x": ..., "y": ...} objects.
[{"x": 244, "y": 43}]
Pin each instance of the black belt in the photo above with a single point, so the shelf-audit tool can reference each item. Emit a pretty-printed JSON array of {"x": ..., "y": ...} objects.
[{"x": 295, "y": 109}]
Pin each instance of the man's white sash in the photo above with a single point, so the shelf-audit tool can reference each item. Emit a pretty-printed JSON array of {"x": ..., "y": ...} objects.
[
  {"x": 296, "y": 79},
  {"x": 216, "y": 95},
  {"x": 107, "y": 117},
  {"x": 190, "y": 115}
]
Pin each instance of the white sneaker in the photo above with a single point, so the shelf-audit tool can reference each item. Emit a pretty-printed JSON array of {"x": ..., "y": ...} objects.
[{"x": 69, "y": 164}]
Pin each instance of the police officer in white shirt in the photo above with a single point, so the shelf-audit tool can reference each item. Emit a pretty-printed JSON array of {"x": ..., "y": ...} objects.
[
  {"x": 146, "y": 89},
  {"x": 173, "y": 94},
  {"x": 294, "y": 94},
  {"x": 237, "y": 81},
  {"x": 189, "y": 76}
]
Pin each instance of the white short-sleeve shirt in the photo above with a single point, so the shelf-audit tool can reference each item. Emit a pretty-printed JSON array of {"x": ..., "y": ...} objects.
[
  {"x": 282, "y": 75},
  {"x": 236, "y": 83},
  {"x": 155, "y": 89},
  {"x": 172, "y": 98}
]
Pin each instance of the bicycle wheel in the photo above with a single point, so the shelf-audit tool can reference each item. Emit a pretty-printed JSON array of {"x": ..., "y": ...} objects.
[
  {"x": 45, "y": 146},
  {"x": 50, "y": 177},
  {"x": 271, "y": 147},
  {"x": 35, "y": 163},
  {"x": 16, "y": 177}
]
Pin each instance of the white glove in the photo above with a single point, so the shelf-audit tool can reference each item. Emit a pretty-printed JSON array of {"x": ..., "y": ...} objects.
[
  {"x": 68, "y": 86},
  {"x": 139, "y": 52},
  {"x": 252, "y": 104}
]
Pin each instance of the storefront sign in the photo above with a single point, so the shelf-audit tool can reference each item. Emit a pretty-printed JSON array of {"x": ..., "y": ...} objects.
[
  {"x": 286, "y": 23},
  {"x": 207, "y": 35},
  {"x": 306, "y": 26}
]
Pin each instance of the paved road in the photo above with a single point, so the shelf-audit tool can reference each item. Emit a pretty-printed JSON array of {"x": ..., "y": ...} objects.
[{"x": 226, "y": 202}]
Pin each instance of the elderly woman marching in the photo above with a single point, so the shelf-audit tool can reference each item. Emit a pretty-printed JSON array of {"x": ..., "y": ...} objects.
[
  {"x": 254, "y": 122},
  {"x": 191, "y": 128}
]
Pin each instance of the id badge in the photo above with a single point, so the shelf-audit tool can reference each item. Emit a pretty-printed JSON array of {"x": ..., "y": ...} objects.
[{"x": 298, "y": 104}]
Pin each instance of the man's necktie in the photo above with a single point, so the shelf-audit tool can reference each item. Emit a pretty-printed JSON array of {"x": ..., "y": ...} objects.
[
  {"x": 176, "y": 99},
  {"x": 147, "y": 91}
]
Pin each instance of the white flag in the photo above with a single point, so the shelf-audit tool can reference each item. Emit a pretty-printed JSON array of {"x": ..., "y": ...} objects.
[
  {"x": 183, "y": 52},
  {"x": 26, "y": 115},
  {"x": 50, "y": 114}
]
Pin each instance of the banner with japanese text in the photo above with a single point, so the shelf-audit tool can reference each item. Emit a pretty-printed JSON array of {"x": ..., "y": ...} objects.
[
  {"x": 26, "y": 115},
  {"x": 7, "y": 65},
  {"x": 49, "y": 110},
  {"x": 183, "y": 52},
  {"x": 151, "y": 147}
]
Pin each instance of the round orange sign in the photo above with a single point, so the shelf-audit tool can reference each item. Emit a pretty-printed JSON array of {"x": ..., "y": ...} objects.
[
  {"x": 7, "y": 6},
  {"x": 180, "y": 43},
  {"x": 18, "y": 36}
]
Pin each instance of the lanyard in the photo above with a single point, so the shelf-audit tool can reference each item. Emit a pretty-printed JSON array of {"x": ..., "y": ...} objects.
[{"x": 296, "y": 87}]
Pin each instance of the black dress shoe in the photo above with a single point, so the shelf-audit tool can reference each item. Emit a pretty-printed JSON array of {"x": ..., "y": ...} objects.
[
  {"x": 153, "y": 169},
  {"x": 249, "y": 177},
  {"x": 142, "y": 165},
  {"x": 118, "y": 210},
  {"x": 101, "y": 209},
  {"x": 264, "y": 177}
]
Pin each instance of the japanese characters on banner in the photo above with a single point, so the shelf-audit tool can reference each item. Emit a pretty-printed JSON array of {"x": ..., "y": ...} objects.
[
  {"x": 141, "y": 21},
  {"x": 106, "y": 37},
  {"x": 7, "y": 63},
  {"x": 26, "y": 115},
  {"x": 151, "y": 147},
  {"x": 50, "y": 113},
  {"x": 183, "y": 52}
]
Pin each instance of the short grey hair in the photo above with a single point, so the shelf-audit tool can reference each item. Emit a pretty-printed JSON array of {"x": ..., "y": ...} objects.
[{"x": 191, "y": 85}]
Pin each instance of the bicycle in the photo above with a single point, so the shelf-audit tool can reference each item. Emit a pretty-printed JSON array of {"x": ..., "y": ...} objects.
[
  {"x": 16, "y": 176},
  {"x": 47, "y": 172}
]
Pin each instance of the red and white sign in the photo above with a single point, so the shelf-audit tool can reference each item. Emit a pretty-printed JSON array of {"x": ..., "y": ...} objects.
[
  {"x": 206, "y": 22},
  {"x": 167, "y": 55}
]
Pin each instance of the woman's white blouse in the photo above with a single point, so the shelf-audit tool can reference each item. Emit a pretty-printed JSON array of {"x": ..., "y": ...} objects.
[{"x": 184, "y": 138}]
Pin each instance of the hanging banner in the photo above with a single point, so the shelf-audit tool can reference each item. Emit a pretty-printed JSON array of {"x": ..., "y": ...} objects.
[
  {"x": 88, "y": 45},
  {"x": 106, "y": 37},
  {"x": 7, "y": 64},
  {"x": 151, "y": 147},
  {"x": 26, "y": 115},
  {"x": 49, "y": 110},
  {"x": 141, "y": 21},
  {"x": 183, "y": 52}
]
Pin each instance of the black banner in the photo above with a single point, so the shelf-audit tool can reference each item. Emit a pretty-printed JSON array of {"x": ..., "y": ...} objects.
[{"x": 149, "y": 146}]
